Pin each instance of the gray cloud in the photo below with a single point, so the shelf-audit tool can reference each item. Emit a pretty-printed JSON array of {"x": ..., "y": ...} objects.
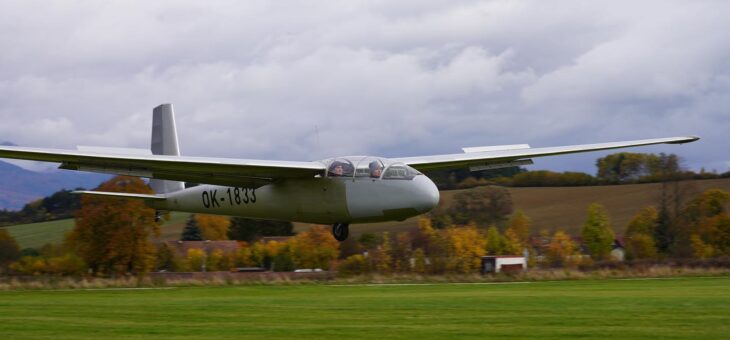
[{"x": 260, "y": 79}]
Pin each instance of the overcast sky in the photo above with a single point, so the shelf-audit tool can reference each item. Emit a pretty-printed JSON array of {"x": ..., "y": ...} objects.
[{"x": 307, "y": 80}]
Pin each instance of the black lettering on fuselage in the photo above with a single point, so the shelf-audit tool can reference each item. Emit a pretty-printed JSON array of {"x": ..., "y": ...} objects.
[
  {"x": 214, "y": 199},
  {"x": 206, "y": 199}
]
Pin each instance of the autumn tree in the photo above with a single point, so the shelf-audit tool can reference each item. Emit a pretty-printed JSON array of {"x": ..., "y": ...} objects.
[
  {"x": 165, "y": 258},
  {"x": 195, "y": 260},
  {"x": 511, "y": 243},
  {"x": 482, "y": 205},
  {"x": 354, "y": 265},
  {"x": 9, "y": 249},
  {"x": 63, "y": 264},
  {"x": 518, "y": 232},
  {"x": 668, "y": 234},
  {"x": 314, "y": 248},
  {"x": 383, "y": 255},
  {"x": 283, "y": 262},
  {"x": 494, "y": 242},
  {"x": 560, "y": 249},
  {"x": 112, "y": 234},
  {"x": 598, "y": 237},
  {"x": 708, "y": 223},
  {"x": 368, "y": 241},
  {"x": 640, "y": 234},
  {"x": 402, "y": 251},
  {"x": 419, "y": 261},
  {"x": 250, "y": 230},
  {"x": 213, "y": 227},
  {"x": 263, "y": 253},
  {"x": 641, "y": 246},
  {"x": 191, "y": 232},
  {"x": 621, "y": 167},
  {"x": 434, "y": 245},
  {"x": 466, "y": 247}
]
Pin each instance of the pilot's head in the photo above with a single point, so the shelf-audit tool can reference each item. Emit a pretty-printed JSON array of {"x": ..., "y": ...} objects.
[
  {"x": 337, "y": 171},
  {"x": 375, "y": 169}
]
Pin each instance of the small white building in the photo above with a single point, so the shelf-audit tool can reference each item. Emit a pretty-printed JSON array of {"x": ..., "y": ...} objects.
[{"x": 503, "y": 263}]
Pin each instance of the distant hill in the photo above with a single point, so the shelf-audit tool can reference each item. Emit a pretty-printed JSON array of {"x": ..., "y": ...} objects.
[{"x": 19, "y": 186}]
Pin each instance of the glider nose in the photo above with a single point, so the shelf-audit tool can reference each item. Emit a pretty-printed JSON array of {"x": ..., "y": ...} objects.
[{"x": 428, "y": 194}]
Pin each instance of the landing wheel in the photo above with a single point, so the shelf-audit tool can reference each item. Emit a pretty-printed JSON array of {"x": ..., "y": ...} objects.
[{"x": 340, "y": 231}]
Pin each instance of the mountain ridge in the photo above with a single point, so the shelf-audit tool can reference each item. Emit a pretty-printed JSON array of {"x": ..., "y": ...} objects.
[{"x": 20, "y": 186}]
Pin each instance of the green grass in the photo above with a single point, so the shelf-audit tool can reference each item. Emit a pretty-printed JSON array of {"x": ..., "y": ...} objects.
[
  {"x": 667, "y": 308},
  {"x": 35, "y": 235}
]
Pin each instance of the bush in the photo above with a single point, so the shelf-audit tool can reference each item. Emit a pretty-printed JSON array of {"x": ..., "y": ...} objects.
[{"x": 354, "y": 265}]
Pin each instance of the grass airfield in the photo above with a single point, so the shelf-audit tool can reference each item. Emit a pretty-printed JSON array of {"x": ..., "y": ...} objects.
[{"x": 663, "y": 308}]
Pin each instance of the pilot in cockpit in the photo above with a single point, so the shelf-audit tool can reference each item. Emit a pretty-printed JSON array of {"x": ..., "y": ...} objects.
[
  {"x": 336, "y": 170},
  {"x": 376, "y": 169}
]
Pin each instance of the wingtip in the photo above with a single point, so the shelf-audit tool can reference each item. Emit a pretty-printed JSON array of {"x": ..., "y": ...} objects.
[{"x": 686, "y": 139}]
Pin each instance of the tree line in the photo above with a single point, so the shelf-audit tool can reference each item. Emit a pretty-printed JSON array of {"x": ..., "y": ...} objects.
[
  {"x": 618, "y": 168},
  {"x": 114, "y": 237}
]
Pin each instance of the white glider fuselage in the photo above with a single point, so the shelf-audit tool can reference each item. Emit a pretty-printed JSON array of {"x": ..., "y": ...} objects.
[{"x": 322, "y": 200}]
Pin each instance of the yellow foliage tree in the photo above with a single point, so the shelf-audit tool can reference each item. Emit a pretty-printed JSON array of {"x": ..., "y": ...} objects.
[
  {"x": 513, "y": 245},
  {"x": 112, "y": 234},
  {"x": 213, "y": 227},
  {"x": 597, "y": 234},
  {"x": 641, "y": 246},
  {"x": 245, "y": 256},
  {"x": 709, "y": 223},
  {"x": 640, "y": 234},
  {"x": 354, "y": 265},
  {"x": 220, "y": 260},
  {"x": 66, "y": 264},
  {"x": 700, "y": 249},
  {"x": 435, "y": 245},
  {"x": 195, "y": 259},
  {"x": 261, "y": 254},
  {"x": 494, "y": 242},
  {"x": 466, "y": 247},
  {"x": 520, "y": 225},
  {"x": 314, "y": 248},
  {"x": 384, "y": 255},
  {"x": 419, "y": 261},
  {"x": 560, "y": 249}
]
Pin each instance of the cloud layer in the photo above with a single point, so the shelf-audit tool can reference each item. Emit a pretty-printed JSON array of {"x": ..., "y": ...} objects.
[{"x": 308, "y": 80}]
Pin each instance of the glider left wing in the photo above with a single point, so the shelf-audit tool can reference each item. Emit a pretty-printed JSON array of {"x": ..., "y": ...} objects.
[{"x": 218, "y": 171}]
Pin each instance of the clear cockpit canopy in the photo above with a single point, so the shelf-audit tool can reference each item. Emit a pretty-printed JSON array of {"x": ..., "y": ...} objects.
[{"x": 363, "y": 167}]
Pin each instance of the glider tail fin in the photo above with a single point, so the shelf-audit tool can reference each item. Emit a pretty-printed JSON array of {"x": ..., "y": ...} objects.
[{"x": 164, "y": 142}]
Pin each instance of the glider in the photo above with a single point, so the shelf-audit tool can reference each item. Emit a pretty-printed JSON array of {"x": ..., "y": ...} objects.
[{"x": 338, "y": 191}]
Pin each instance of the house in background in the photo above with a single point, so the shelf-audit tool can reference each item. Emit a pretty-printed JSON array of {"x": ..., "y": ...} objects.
[
  {"x": 503, "y": 264},
  {"x": 618, "y": 252}
]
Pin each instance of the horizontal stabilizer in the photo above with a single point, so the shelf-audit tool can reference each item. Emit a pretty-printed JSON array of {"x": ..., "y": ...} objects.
[{"x": 122, "y": 195}]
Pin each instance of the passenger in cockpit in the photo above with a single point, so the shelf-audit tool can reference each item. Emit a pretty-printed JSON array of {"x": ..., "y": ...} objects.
[
  {"x": 375, "y": 169},
  {"x": 337, "y": 170}
]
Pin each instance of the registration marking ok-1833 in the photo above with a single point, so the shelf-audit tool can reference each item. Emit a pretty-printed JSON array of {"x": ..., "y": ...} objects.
[{"x": 234, "y": 196}]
